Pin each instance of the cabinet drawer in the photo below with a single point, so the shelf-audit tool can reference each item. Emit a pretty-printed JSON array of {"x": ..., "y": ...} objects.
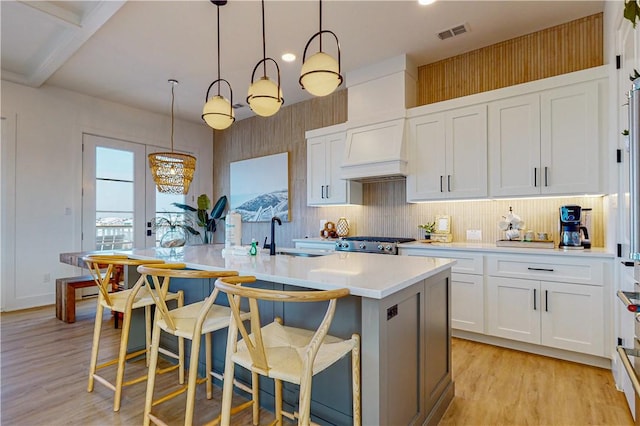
[
  {"x": 330, "y": 245},
  {"x": 468, "y": 262},
  {"x": 550, "y": 268}
]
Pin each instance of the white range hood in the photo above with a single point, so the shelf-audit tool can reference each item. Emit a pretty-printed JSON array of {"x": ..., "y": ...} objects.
[{"x": 378, "y": 98}]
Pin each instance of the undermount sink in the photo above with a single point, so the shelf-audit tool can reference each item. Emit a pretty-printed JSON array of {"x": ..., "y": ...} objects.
[{"x": 302, "y": 253}]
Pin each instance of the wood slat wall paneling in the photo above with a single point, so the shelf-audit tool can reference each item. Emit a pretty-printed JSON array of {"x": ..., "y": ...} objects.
[{"x": 565, "y": 48}]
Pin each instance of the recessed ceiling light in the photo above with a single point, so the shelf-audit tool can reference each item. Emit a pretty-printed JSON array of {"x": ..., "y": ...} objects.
[
  {"x": 288, "y": 57},
  {"x": 426, "y": 2}
]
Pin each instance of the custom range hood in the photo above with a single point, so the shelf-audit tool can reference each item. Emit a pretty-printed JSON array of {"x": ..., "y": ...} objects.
[{"x": 378, "y": 98}]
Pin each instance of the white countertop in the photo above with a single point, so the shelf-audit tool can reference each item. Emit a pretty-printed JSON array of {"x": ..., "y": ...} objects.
[
  {"x": 487, "y": 248},
  {"x": 368, "y": 275}
]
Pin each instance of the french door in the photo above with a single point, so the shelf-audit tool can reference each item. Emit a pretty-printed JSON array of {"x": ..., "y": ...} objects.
[
  {"x": 113, "y": 193},
  {"x": 119, "y": 197}
]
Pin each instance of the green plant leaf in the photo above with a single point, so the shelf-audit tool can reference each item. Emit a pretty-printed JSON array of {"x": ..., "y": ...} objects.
[
  {"x": 218, "y": 209},
  {"x": 203, "y": 218},
  {"x": 204, "y": 203},
  {"x": 185, "y": 207},
  {"x": 191, "y": 230},
  {"x": 631, "y": 11}
]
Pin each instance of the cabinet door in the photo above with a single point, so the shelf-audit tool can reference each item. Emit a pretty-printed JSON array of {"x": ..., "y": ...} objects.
[
  {"x": 513, "y": 307},
  {"x": 573, "y": 317},
  {"x": 466, "y": 152},
  {"x": 514, "y": 146},
  {"x": 570, "y": 140},
  {"x": 467, "y": 297},
  {"x": 316, "y": 170},
  {"x": 336, "y": 189},
  {"x": 427, "y": 153}
]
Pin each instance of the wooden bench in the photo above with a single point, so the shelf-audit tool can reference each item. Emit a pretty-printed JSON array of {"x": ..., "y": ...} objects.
[{"x": 66, "y": 296}]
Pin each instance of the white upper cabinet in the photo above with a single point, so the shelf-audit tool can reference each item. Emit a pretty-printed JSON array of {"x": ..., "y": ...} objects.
[
  {"x": 546, "y": 142},
  {"x": 448, "y": 155},
  {"x": 324, "y": 158},
  {"x": 514, "y": 146},
  {"x": 569, "y": 146}
]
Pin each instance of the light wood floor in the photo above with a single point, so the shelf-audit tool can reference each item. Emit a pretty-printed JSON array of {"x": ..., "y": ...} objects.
[
  {"x": 496, "y": 386},
  {"x": 44, "y": 365}
]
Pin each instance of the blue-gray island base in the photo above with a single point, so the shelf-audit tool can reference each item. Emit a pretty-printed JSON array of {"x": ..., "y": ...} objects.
[{"x": 405, "y": 332}]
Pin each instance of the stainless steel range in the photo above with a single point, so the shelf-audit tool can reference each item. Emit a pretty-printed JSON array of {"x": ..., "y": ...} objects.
[{"x": 380, "y": 245}]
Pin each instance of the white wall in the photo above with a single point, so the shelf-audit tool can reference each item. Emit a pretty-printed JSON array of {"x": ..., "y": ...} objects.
[{"x": 42, "y": 178}]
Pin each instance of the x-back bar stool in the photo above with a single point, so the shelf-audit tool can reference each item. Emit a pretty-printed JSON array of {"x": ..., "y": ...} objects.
[
  {"x": 285, "y": 353},
  {"x": 139, "y": 296},
  {"x": 188, "y": 322}
]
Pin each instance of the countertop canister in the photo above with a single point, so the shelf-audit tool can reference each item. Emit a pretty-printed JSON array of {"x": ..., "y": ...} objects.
[{"x": 233, "y": 229}]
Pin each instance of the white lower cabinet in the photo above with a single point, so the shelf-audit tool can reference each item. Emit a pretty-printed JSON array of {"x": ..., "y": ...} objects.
[
  {"x": 514, "y": 309},
  {"x": 563, "y": 315},
  {"x": 573, "y": 317},
  {"x": 467, "y": 287},
  {"x": 466, "y": 302}
]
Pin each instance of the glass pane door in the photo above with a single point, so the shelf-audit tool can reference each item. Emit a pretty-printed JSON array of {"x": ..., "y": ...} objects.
[
  {"x": 113, "y": 194},
  {"x": 114, "y": 198},
  {"x": 161, "y": 206}
]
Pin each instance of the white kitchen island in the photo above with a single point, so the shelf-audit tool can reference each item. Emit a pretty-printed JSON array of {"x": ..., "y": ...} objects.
[{"x": 399, "y": 305}]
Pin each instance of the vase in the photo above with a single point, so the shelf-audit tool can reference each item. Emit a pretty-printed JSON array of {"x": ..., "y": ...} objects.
[
  {"x": 174, "y": 237},
  {"x": 342, "y": 227}
]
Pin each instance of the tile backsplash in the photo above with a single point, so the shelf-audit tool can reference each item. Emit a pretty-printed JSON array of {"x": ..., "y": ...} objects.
[{"x": 386, "y": 213}]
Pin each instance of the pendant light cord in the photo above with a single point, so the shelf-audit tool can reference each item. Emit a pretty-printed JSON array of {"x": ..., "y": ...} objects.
[
  {"x": 173, "y": 86},
  {"x": 320, "y": 25},
  {"x": 264, "y": 44},
  {"x": 218, "y": 14}
]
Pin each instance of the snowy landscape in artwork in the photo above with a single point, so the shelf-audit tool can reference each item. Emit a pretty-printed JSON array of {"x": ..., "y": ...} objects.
[{"x": 260, "y": 188}]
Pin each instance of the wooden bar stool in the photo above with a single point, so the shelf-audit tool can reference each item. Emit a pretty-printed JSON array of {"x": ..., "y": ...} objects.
[
  {"x": 285, "y": 353},
  {"x": 188, "y": 322},
  {"x": 101, "y": 267}
]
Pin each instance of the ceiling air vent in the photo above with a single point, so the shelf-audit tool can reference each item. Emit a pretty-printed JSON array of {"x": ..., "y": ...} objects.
[{"x": 452, "y": 32}]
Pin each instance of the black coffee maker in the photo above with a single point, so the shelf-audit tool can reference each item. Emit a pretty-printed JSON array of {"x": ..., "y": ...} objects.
[{"x": 570, "y": 228}]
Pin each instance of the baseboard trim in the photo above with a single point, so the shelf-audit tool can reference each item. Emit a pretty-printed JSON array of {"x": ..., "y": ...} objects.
[{"x": 596, "y": 361}]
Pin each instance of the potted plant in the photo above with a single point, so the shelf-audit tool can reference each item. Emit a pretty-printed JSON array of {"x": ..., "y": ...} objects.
[
  {"x": 631, "y": 11},
  {"x": 428, "y": 228},
  {"x": 176, "y": 229},
  {"x": 204, "y": 219}
]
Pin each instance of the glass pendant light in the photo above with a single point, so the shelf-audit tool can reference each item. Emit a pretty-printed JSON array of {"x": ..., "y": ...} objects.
[
  {"x": 172, "y": 171},
  {"x": 217, "y": 111},
  {"x": 265, "y": 96},
  {"x": 320, "y": 73}
]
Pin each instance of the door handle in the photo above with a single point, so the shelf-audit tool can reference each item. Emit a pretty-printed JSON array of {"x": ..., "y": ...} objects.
[
  {"x": 630, "y": 299},
  {"x": 327, "y": 190},
  {"x": 535, "y": 176},
  {"x": 540, "y": 269},
  {"x": 535, "y": 308},
  {"x": 546, "y": 176},
  {"x": 322, "y": 191},
  {"x": 449, "y": 183},
  {"x": 441, "y": 183},
  {"x": 546, "y": 300},
  {"x": 624, "y": 357}
]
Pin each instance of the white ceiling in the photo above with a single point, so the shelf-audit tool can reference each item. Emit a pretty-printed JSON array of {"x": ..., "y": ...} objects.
[{"x": 125, "y": 51}]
